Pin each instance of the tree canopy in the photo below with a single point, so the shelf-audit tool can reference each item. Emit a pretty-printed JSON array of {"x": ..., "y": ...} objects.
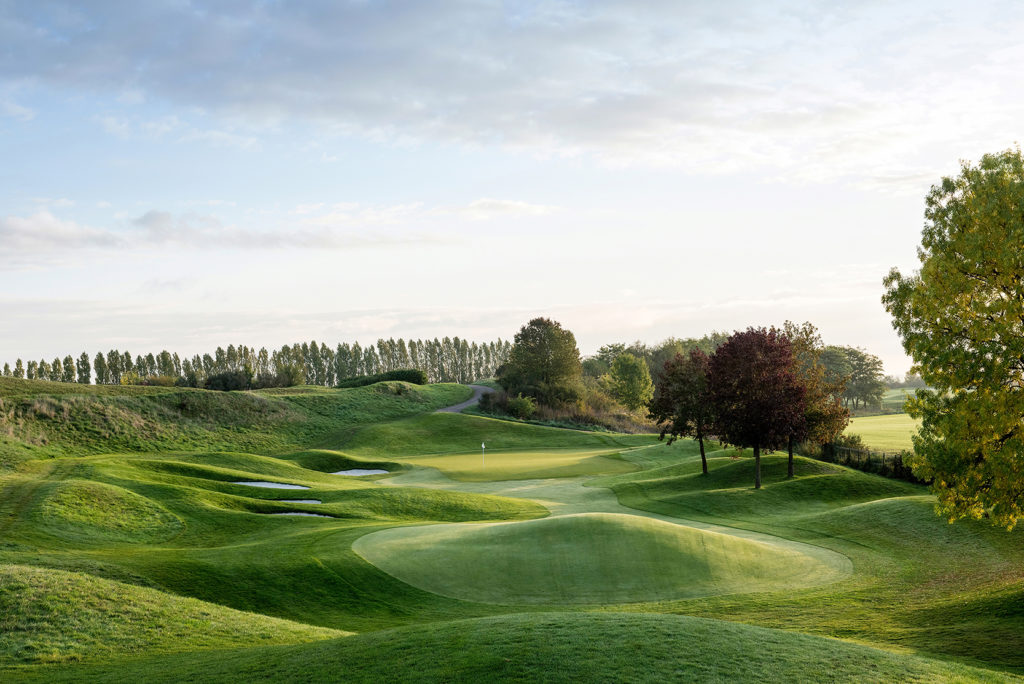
[
  {"x": 544, "y": 363},
  {"x": 756, "y": 392},
  {"x": 961, "y": 318},
  {"x": 630, "y": 381},
  {"x": 681, "y": 404}
]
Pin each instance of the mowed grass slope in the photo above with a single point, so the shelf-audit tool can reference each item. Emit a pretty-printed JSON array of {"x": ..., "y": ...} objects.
[
  {"x": 594, "y": 558},
  {"x": 918, "y": 583},
  {"x": 547, "y": 647},
  {"x": 452, "y": 444}
]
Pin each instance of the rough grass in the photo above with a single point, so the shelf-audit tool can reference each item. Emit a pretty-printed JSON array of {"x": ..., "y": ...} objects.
[
  {"x": 43, "y": 419},
  {"x": 885, "y": 433},
  {"x": 549, "y": 647},
  {"x": 585, "y": 558},
  {"x": 51, "y": 616}
]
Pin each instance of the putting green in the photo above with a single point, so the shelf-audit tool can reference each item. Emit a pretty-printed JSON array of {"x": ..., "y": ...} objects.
[
  {"x": 525, "y": 464},
  {"x": 585, "y": 558}
]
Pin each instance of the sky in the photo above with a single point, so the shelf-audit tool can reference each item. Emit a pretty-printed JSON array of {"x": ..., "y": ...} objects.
[{"x": 183, "y": 175}]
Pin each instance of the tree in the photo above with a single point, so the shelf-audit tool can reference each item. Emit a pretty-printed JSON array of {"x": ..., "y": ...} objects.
[
  {"x": 84, "y": 368},
  {"x": 100, "y": 364},
  {"x": 755, "y": 391},
  {"x": 866, "y": 382},
  {"x": 31, "y": 370},
  {"x": 629, "y": 380},
  {"x": 68, "y": 367},
  {"x": 19, "y": 369},
  {"x": 681, "y": 404},
  {"x": 7, "y": 370},
  {"x": 961, "y": 318},
  {"x": 824, "y": 416},
  {"x": 544, "y": 363}
]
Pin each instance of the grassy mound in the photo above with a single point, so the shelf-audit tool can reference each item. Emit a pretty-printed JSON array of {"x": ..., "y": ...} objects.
[
  {"x": 727, "y": 491},
  {"x": 45, "y": 419},
  {"x": 84, "y": 510},
  {"x": 52, "y": 616},
  {"x": 585, "y": 558},
  {"x": 546, "y": 647}
]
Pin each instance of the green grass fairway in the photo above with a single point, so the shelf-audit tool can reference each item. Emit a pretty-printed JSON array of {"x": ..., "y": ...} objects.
[
  {"x": 547, "y": 647},
  {"x": 585, "y": 558},
  {"x": 885, "y": 433},
  {"x": 524, "y": 465}
]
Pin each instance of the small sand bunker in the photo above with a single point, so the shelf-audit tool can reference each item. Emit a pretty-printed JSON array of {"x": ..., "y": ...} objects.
[
  {"x": 271, "y": 485},
  {"x": 305, "y": 501},
  {"x": 306, "y": 515},
  {"x": 357, "y": 472}
]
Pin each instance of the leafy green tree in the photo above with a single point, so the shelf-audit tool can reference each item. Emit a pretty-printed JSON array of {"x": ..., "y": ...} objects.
[
  {"x": 961, "y": 318},
  {"x": 68, "y": 366},
  {"x": 866, "y": 384},
  {"x": 756, "y": 393},
  {"x": 31, "y": 370},
  {"x": 99, "y": 364},
  {"x": 825, "y": 418},
  {"x": 84, "y": 369},
  {"x": 681, "y": 404},
  {"x": 19, "y": 369},
  {"x": 56, "y": 370},
  {"x": 44, "y": 370},
  {"x": 544, "y": 363},
  {"x": 837, "y": 367},
  {"x": 630, "y": 381},
  {"x": 7, "y": 370}
]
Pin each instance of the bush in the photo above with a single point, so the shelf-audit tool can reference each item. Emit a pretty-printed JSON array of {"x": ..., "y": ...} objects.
[
  {"x": 413, "y": 375},
  {"x": 522, "y": 407},
  {"x": 229, "y": 381}
]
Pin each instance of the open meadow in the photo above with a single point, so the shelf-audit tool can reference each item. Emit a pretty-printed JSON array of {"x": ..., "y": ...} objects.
[{"x": 132, "y": 549}]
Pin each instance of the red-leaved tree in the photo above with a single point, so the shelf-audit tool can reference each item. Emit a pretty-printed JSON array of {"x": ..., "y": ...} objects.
[
  {"x": 756, "y": 392},
  {"x": 681, "y": 405}
]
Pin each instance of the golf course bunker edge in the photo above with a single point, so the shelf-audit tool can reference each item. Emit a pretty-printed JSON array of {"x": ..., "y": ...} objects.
[{"x": 587, "y": 558}]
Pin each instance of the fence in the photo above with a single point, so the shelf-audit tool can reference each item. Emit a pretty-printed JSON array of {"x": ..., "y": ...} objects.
[{"x": 889, "y": 464}]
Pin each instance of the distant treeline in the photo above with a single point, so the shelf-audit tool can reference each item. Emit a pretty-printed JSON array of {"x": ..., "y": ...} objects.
[{"x": 448, "y": 360}]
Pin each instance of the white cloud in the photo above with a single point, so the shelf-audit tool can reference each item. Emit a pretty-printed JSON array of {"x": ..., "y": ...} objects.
[{"x": 874, "y": 91}]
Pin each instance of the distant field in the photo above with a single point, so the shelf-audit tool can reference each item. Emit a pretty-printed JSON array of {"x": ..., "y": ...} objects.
[{"x": 885, "y": 433}]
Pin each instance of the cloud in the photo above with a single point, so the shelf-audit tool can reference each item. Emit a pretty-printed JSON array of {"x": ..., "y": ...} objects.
[
  {"x": 486, "y": 208},
  {"x": 869, "y": 90}
]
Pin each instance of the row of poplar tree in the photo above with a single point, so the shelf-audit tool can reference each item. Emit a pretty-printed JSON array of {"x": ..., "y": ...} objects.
[{"x": 448, "y": 360}]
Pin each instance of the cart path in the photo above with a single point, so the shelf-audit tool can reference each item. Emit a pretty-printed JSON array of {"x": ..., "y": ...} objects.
[{"x": 478, "y": 391}]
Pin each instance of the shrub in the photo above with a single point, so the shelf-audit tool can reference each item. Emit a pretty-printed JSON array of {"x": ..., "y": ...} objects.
[
  {"x": 522, "y": 407},
  {"x": 228, "y": 381},
  {"x": 413, "y": 375}
]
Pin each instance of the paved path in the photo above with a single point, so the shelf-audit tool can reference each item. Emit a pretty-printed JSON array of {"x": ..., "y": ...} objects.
[{"x": 478, "y": 391}]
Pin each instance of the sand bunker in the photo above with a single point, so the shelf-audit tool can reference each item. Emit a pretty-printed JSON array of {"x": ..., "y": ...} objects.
[
  {"x": 357, "y": 472},
  {"x": 271, "y": 485},
  {"x": 307, "y": 515}
]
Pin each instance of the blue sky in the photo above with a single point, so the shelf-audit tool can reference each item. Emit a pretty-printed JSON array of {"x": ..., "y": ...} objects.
[{"x": 186, "y": 175}]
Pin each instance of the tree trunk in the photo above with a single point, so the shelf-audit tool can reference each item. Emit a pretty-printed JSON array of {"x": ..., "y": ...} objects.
[
  {"x": 703, "y": 458},
  {"x": 757, "y": 465},
  {"x": 789, "y": 471}
]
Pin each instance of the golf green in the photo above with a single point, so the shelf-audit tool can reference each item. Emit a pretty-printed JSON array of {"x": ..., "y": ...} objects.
[{"x": 585, "y": 558}]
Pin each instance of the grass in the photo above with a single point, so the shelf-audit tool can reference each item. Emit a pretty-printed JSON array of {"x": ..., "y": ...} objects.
[
  {"x": 885, "y": 433},
  {"x": 585, "y": 558},
  {"x": 547, "y": 647},
  {"x": 132, "y": 555}
]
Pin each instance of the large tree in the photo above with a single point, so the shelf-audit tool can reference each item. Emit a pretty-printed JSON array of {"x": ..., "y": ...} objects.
[
  {"x": 682, "y": 404},
  {"x": 961, "y": 318},
  {"x": 825, "y": 418},
  {"x": 629, "y": 381},
  {"x": 544, "y": 363},
  {"x": 756, "y": 392}
]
